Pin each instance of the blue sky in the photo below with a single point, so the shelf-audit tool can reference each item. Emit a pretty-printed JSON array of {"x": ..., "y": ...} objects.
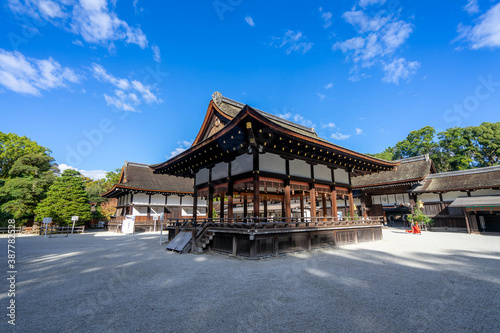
[{"x": 103, "y": 82}]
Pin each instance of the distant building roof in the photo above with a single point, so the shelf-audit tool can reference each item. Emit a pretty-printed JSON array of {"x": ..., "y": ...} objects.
[
  {"x": 140, "y": 177},
  {"x": 473, "y": 202},
  {"x": 411, "y": 170},
  {"x": 480, "y": 178}
]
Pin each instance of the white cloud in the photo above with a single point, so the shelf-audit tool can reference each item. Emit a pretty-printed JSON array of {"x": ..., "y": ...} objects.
[
  {"x": 472, "y": 7},
  {"x": 359, "y": 131},
  {"x": 29, "y": 75},
  {"x": 297, "y": 118},
  {"x": 250, "y": 21},
  {"x": 329, "y": 125},
  {"x": 129, "y": 100},
  {"x": 321, "y": 96},
  {"x": 156, "y": 53},
  {"x": 339, "y": 136},
  {"x": 328, "y": 86},
  {"x": 379, "y": 36},
  {"x": 292, "y": 42},
  {"x": 77, "y": 42},
  {"x": 92, "y": 174},
  {"x": 486, "y": 32},
  {"x": 366, "y": 3},
  {"x": 183, "y": 145},
  {"x": 93, "y": 20},
  {"x": 326, "y": 17},
  {"x": 137, "y": 8},
  {"x": 400, "y": 69}
]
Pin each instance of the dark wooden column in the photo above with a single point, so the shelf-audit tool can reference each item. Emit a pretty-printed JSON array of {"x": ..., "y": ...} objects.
[
  {"x": 245, "y": 205},
  {"x": 229, "y": 193},
  {"x": 265, "y": 207},
  {"x": 221, "y": 214},
  {"x": 210, "y": 201},
  {"x": 312, "y": 195},
  {"x": 302, "y": 205},
  {"x": 149, "y": 206},
  {"x": 256, "y": 187},
  {"x": 466, "y": 220},
  {"x": 351, "y": 203},
  {"x": 195, "y": 203},
  {"x": 323, "y": 202},
  {"x": 287, "y": 199},
  {"x": 333, "y": 199}
]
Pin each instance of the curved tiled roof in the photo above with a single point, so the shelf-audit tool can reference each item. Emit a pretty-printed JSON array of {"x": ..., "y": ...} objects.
[
  {"x": 410, "y": 169},
  {"x": 137, "y": 176},
  {"x": 488, "y": 177}
]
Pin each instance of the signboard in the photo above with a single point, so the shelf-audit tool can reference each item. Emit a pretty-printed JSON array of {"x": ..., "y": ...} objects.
[
  {"x": 74, "y": 218},
  {"x": 155, "y": 217},
  {"x": 47, "y": 220},
  {"x": 128, "y": 224},
  {"x": 339, "y": 214}
]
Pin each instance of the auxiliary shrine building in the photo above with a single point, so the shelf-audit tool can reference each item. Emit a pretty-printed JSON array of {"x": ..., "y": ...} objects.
[{"x": 244, "y": 153}]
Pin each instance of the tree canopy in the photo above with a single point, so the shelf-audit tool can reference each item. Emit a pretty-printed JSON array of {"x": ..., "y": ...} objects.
[
  {"x": 13, "y": 146},
  {"x": 66, "y": 197},
  {"x": 457, "y": 148}
]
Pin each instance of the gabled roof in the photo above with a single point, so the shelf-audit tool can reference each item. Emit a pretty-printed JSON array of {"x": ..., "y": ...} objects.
[
  {"x": 411, "y": 170},
  {"x": 480, "y": 178},
  {"x": 270, "y": 133},
  {"x": 140, "y": 177}
]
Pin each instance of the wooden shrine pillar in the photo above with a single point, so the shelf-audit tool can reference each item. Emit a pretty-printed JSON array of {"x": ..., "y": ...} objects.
[
  {"x": 195, "y": 203},
  {"x": 287, "y": 200},
  {"x": 221, "y": 214},
  {"x": 265, "y": 207},
  {"x": 351, "y": 203},
  {"x": 302, "y": 205},
  {"x": 210, "y": 202},
  {"x": 256, "y": 197},
  {"x": 230, "y": 201},
  {"x": 323, "y": 202},
  {"x": 312, "y": 195},
  {"x": 333, "y": 199},
  {"x": 245, "y": 205}
]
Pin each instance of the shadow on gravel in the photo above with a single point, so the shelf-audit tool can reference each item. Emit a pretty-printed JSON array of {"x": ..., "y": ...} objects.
[{"x": 97, "y": 283}]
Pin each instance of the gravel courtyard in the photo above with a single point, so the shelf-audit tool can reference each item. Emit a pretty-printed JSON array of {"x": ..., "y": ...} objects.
[{"x": 103, "y": 282}]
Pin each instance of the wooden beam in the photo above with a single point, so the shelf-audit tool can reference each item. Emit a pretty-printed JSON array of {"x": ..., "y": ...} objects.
[
  {"x": 265, "y": 206},
  {"x": 245, "y": 205}
]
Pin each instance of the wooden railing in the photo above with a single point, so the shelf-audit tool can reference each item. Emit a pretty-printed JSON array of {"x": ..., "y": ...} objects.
[{"x": 255, "y": 223}]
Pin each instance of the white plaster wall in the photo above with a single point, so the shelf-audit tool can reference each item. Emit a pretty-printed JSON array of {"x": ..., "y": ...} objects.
[
  {"x": 300, "y": 168},
  {"x": 450, "y": 196},
  {"x": 202, "y": 176},
  {"x": 157, "y": 199},
  {"x": 141, "y": 198},
  {"x": 242, "y": 164},
  {"x": 272, "y": 163},
  {"x": 173, "y": 200},
  {"x": 219, "y": 171},
  {"x": 341, "y": 176},
  {"x": 485, "y": 192},
  {"x": 187, "y": 201},
  {"x": 322, "y": 172},
  {"x": 140, "y": 210},
  {"x": 428, "y": 197}
]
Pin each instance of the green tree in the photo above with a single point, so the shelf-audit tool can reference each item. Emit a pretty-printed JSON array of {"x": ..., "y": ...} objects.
[
  {"x": 486, "y": 140},
  {"x": 112, "y": 177},
  {"x": 456, "y": 150},
  {"x": 13, "y": 146},
  {"x": 66, "y": 197},
  {"x": 417, "y": 143},
  {"x": 387, "y": 154},
  {"x": 29, "y": 178}
]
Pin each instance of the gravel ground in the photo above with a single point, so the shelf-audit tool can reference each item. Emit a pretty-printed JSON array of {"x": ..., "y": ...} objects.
[{"x": 103, "y": 282}]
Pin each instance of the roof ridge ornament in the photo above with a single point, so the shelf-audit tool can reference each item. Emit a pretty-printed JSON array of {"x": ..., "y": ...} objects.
[{"x": 217, "y": 97}]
